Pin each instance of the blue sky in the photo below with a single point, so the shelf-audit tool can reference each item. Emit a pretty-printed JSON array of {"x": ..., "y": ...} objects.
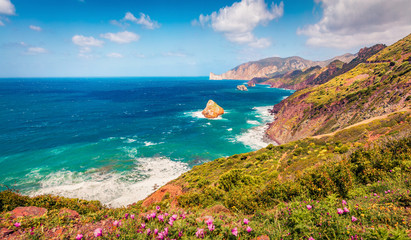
[{"x": 74, "y": 38}]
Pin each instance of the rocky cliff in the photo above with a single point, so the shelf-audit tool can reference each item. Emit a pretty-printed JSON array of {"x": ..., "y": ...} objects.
[
  {"x": 300, "y": 79},
  {"x": 378, "y": 86},
  {"x": 269, "y": 67}
]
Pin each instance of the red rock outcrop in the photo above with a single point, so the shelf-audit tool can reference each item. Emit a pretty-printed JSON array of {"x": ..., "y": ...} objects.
[
  {"x": 28, "y": 211},
  {"x": 173, "y": 191},
  {"x": 68, "y": 213}
]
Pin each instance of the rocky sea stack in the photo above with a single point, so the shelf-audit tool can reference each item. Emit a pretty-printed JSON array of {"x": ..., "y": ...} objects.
[
  {"x": 212, "y": 110},
  {"x": 242, "y": 88}
]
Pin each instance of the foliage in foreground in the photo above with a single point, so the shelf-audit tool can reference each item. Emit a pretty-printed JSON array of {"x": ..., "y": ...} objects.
[{"x": 370, "y": 200}]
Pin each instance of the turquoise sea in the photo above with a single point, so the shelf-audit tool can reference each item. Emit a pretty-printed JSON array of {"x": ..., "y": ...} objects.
[{"x": 117, "y": 139}]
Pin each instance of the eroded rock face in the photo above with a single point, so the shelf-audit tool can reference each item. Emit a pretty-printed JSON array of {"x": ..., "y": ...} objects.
[
  {"x": 28, "y": 211},
  {"x": 242, "y": 88},
  {"x": 173, "y": 190},
  {"x": 68, "y": 213},
  {"x": 212, "y": 110}
]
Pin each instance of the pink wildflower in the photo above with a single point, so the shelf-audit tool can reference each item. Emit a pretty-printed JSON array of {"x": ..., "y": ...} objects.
[
  {"x": 353, "y": 219},
  {"x": 155, "y": 231},
  {"x": 245, "y": 221},
  {"x": 161, "y": 235},
  {"x": 132, "y": 216},
  {"x": 209, "y": 221},
  {"x": 98, "y": 232},
  {"x": 346, "y": 210},
  {"x": 116, "y": 223},
  {"x": 143, "y": 225},
  {"x": 249, "y": 229},
  {"x": 309, "y": 207},
  {"x": 148, "y": 231},
  {"x": 166, "y": 231},
  {"x": 311, "y": 238},
  {"x": 126, "y": 215},
  {"x": 158, "y": 208},
  {"x": 174, "y": 217},
  {"x": 17, "y": 224},
  {"x": 200, "y": 233},
  {"x": 79, "y": 236},
  {"x": 234, "y": 231},
  {"x": 344, "y": 202},
  {"x": 160, "y": 218},
  {"x": 375, "y": 194},
  {"x": 211, "y": 227},
  {"x": 340, "y": 211},
  {"x": 183, "y": 216},
  {"x": 180, "y": 234},
  {"x": 170, "y": 222}
]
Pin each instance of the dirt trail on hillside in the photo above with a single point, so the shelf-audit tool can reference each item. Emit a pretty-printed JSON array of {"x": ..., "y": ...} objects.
[{"x": 360, "y": 123}]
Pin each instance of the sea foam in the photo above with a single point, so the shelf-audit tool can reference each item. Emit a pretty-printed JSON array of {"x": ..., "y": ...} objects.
[
  {"x": 199, "y": 115},
  {"x": 114, "y": 189},
  {"x": 255, "y": 137}
]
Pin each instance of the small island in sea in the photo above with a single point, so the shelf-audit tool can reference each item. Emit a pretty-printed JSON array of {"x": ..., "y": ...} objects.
[{"x": 287, "y": 130}]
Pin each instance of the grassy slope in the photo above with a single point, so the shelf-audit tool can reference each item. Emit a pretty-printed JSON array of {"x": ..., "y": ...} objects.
[{"x": 368, "y": 90}]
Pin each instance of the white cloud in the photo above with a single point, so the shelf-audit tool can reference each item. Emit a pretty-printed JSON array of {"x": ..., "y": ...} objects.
[
  {"x": 35, "y": 28},
  {"x": 83, "y": 41},
  {"x": 238, "y": 21},
  {"x": 350, "y": 23},
  {"x": 115, "y": 55},
  {"x": 120, "y": 23},
  {"x": 7, "y": 8},
  {"x": 174, "y": 54},
  {"x": 85, "y": 44},
  {"x": 144, "y": 20},
  {"x": 1, "y": 23},
  {"x": 36, "y": 50},
  {"x": 121, "y": 37}
]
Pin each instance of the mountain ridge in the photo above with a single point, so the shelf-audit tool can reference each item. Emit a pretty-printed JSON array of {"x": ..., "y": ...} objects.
[
  {"x": 272, "y": 66},
  {"x": 300, "y": 79}
]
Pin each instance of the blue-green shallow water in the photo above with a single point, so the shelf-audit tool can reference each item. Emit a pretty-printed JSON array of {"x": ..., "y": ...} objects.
[{"x": 113, "y": 139}]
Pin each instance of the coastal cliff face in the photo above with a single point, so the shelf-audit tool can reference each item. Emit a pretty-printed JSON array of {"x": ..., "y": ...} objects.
[
  {"x": 300, "y": 79},
  {"x": 379, "y": 86},
  {"x": 269, "y": 67}
]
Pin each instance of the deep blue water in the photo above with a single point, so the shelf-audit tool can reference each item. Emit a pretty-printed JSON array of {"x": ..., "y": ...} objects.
[{"x": 113, "y": 139}]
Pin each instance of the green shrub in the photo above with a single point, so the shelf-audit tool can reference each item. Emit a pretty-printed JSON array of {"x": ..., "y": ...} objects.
[{"x": 235, "y": 178}]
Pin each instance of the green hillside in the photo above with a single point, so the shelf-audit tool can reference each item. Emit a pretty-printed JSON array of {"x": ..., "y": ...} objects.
[{"x": 379, "y": 86}]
